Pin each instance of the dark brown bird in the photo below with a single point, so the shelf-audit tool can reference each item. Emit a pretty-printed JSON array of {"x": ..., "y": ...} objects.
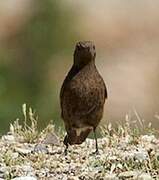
[{"x": 82, "y": 96}]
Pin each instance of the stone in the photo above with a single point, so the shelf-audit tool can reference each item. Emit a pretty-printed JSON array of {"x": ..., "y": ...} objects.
[
  {"x": 25, "y": 178},
  {"x": 110, "y": 177}
]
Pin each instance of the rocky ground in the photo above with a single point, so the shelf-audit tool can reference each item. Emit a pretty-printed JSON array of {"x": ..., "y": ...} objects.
[{"x": 26, "y": 154}]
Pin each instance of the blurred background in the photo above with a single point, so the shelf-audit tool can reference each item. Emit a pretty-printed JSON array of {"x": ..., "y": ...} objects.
[{"x": 37, "y": 40}]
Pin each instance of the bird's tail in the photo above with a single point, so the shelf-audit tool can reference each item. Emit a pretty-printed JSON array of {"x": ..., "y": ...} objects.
[{"x": 73, "y": 138}]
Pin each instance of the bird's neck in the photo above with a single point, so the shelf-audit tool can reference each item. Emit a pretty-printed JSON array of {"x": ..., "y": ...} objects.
[
  {"x": 76, "y": 69},
  {"x": 81, "y": 64}
]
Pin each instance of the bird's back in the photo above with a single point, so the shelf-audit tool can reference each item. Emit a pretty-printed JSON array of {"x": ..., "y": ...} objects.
[{"x": 82, "y": 97}]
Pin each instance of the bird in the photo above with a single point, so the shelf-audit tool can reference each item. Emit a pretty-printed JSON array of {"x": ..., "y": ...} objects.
[{"x": 82, "y": 96}]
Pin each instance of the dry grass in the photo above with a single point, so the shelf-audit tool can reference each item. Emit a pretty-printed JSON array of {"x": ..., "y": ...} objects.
[{"x": 125, "y": 152}]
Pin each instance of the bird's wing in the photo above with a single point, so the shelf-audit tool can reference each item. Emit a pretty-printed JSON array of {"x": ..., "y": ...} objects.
[
  {"x": 82, "y": 102},
  {"x": 79, "y": 99},
  {"x": 73, "y": 71},
  {"x": 106, "y": 92}
]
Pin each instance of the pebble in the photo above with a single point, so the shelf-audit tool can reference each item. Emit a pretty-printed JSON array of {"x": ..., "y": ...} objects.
[
  {"x": 24, "y": 150},
  {"x": 127, "y": 174},
  {"x": 25, "y": 178},
  {"x": 9, "y": 139},
  {"x": 52, "y": 139},
  {"x": 148, "y": 138},
  {"x": 110, "y": 177},
  {"x": 144, "y": 176},
  {"x": 47, "y": 161},
  {"x": 141, "y": 155},
  {"x": 40, "y": 148}
]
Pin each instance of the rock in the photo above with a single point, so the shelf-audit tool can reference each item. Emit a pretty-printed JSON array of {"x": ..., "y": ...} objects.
[
  {"x": 128, "y": 155},
  {"x": 8, "y": 139},
  {"x": 141, "y": 155},
  {"x": 23, "y": 150},
  {"x": 15, "y": 155},
  {"x": 144, "y": 176},
  {"x": 1, "y": 175},
  {"x": 73, "y": 178},
  {"x": 127, "y": 174},
  {"x": 40, "y": 148},
  {"x": 25, "y": 178},
  {"x": 42, "y": 173},
  {"x": 30, "y": 161},
  {"x": 110, "y": 177},
  {"x": 3, "y": 170},
  {"x": 27, "y": 169},
  {"x": 51, "y": 138},
  {"x": 148, "y": 138}
]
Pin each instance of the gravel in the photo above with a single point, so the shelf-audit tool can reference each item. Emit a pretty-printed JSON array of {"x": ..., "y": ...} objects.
[{"x": 119, "y": 158}]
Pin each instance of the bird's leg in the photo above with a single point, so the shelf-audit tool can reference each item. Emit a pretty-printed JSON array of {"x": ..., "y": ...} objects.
[
  {"x": 66, "y": 148},
  {"x": 66, "y": 144},
  {"x": 95, "y": 137}
]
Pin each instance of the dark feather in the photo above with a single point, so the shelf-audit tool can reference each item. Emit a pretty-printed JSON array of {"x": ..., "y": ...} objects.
[{"x": 82, "y": 95}]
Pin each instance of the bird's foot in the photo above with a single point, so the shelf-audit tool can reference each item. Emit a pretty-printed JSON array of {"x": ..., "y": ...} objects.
[
  {"x": 96, "y": 153},
  {"x": 65, "y": 152}
]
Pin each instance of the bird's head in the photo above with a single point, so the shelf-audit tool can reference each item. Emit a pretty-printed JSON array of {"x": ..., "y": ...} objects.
[{"x": 84, "y": 53}]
